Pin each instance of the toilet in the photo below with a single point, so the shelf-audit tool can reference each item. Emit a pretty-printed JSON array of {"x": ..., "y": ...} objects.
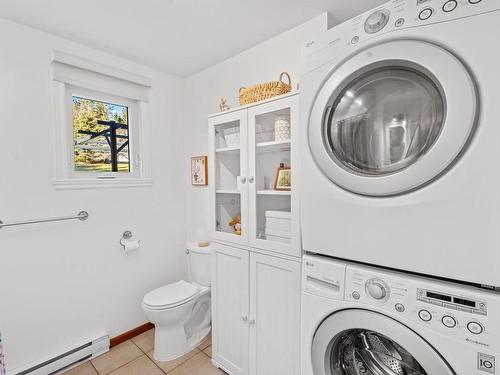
[{"x": 180, "y": 311}]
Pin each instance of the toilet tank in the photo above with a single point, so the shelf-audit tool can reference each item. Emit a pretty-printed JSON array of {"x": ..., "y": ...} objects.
[{"x": 199, "y": 263}]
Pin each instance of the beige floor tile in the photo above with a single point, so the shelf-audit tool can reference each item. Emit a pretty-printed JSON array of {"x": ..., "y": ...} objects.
[
  {"x": 206, "y": 343},
  {"x": 200, "y": 364},
  {"x": 208, "y": 351},
  {"x": 145, "y": 341},
  {"x": 116, "y": 357},
  {"x": 170, "y": 365},
  {"x": 140, "y": 366},
  {"x": 84, "y": 369}
]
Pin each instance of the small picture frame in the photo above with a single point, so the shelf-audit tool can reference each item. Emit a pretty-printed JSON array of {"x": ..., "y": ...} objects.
[
  {"x": 283, "y": 179},
  {"x": 199, "y": 171}
]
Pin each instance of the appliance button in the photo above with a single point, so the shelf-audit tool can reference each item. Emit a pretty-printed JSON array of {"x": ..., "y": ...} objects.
[
  {"x": 376, "y": 21},
  {"x": 355, "y": 39},
  {"x": 437, "y": 303},
  {"x": 425, "y": 14},
  {"x": 425, "y": 315},
  {"x": 400, "y": 22},
  {"x": 449, "y": 321},
  {"x": 475, "y": 1},
  {"x": 449, "y": 305},
  {"x": 377, "y": 289},
  {"x": 355, "y": 295},
  {"x": 399, "y": 307},
  {"x": 482, "y": 306},
  {"x": 475, "y": 328},
  {"x": 450, "y": 6},
  {"x": 464, "y": 309}
]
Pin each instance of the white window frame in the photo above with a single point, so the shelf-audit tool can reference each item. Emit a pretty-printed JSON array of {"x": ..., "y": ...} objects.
[{"x": 73, "y": 76}]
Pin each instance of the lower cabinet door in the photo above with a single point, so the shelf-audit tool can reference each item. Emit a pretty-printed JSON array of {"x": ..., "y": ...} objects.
[
  {"x": 274, "y": 316},
  {"x": 230, "y": 337}
]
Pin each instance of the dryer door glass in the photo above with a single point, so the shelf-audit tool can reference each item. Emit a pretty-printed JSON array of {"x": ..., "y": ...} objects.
[
  {"x": 384, "y": 120},
  {"x": 357, "y": 352}
]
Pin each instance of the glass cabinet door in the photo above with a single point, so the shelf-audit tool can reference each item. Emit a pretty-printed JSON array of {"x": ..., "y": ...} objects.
[
  {"x": 228, "y": 170},
  {"x": 271, "y": 127}
]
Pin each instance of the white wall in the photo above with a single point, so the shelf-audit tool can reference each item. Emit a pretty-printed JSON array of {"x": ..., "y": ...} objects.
[
  {"x": 203, "y": 92},
  {"x": 63, "y": 282}
]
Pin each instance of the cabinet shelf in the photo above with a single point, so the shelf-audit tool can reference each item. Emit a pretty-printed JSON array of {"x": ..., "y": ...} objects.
[
  {"x": 228, "y": 191},
  {"x": 274, "y": 146},
  {"x": 228, "y": 150},
  {"x": 274, "y": 192}
]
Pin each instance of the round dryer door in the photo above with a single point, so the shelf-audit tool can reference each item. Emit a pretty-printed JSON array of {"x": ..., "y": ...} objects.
[
  {"x": 362, "y": 342},
  {"x": 392, "y": 118}
]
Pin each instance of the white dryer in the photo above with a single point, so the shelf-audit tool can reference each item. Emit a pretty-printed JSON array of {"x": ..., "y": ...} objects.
[
  {"x": 400, "y": 152},
  {"x": 360, "y": 320}
]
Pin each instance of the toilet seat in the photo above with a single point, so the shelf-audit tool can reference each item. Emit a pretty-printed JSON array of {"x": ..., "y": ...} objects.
[{"x": 171, "y": 295}]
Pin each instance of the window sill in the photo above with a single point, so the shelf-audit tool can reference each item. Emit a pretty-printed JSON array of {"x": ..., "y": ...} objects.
[{"x": 100, "y": 183}]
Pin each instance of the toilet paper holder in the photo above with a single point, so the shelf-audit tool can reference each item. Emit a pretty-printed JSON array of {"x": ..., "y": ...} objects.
[{"x": 127, "y": 235}]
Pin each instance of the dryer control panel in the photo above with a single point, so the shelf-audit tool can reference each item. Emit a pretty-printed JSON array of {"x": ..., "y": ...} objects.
[{"x": 393, "y": 16}]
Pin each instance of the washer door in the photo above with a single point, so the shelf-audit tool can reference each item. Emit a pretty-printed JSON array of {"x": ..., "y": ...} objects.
[
  {"x": 362, "y": 342},
  {"x": 392, "y": 118}
]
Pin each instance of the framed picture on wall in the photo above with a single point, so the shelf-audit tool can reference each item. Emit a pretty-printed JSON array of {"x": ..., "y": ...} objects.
[{"x": 199, "y": 171}]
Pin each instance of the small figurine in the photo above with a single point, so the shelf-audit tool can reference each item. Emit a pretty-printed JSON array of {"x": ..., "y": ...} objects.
[
  {"x": 223, "y": 106},
  {"x": 236, "y": 224}
]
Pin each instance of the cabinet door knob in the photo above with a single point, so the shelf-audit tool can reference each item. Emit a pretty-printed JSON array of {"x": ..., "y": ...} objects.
[
  {"x": 243, "y": 179},
  {"x": 244, "y": 318},
  {"x": 251, "y": 179}
]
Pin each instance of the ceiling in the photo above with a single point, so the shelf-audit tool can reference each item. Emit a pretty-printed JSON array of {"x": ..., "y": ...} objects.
[{"x": 180, "y": 37}]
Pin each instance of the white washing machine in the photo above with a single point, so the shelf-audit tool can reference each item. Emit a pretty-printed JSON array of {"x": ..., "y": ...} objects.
[
  {"x": 360, "y": 320},
  {"x": 400, "y": 153}
]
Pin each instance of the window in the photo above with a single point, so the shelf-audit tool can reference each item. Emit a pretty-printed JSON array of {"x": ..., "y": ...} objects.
[
  {"x": 102, "y": 125},
  {"x": 100, "y": 136}
]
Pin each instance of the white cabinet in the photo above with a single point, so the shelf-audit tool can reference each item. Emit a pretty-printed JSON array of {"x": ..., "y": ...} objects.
[
  {"x": 275, "y": 308},
  {"x": 256, "y": 312},
  {"x": 246, "y": 147},
  {"x": 230, "y": 299}
]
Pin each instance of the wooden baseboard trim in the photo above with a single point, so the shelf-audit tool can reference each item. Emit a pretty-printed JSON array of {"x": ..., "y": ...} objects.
[{"x": 130, "y": 334}]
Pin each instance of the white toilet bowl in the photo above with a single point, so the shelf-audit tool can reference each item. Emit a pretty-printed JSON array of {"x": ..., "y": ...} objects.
[{"x": 181, "y": 311}]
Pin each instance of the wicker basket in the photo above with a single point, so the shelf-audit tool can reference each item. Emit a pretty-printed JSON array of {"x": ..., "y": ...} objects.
[{"x": 263, "y": 91}]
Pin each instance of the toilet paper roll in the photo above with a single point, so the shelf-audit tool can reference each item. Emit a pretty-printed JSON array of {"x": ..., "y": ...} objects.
[{"x": 130, "y": 246}]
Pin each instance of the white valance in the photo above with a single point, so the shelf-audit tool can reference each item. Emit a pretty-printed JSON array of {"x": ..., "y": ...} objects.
[{"x": 81, "y": 72}]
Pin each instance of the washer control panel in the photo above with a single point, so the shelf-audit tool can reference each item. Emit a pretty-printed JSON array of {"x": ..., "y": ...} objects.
[{"x": 455, "y": 310}]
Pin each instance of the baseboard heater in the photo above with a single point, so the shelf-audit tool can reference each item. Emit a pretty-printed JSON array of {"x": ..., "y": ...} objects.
[{"x": 70, "y": 358}]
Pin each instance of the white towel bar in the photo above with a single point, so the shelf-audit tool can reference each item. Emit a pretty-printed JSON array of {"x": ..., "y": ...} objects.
[{"x": 82, "y": 215}]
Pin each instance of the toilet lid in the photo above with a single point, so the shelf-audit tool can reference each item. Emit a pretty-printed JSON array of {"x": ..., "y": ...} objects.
[{"x": 171, "y": 295}]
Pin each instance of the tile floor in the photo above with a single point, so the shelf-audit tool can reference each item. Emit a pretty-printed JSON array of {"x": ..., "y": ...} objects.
[{"x": 135, "y": 357}]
